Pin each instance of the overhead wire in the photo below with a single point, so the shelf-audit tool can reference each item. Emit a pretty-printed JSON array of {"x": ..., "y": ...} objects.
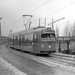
[
  {"x": 38, "y": 7},
  {"x": 34, "y": 10},
  {"x": 17, "y": 20},
  {"x": 48, "y": 14},
  {"x": 60, "y": 9}
]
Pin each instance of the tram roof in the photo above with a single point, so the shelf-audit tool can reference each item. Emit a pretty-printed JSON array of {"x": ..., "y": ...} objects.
[
  {"x": 36, "y": 29},
  {"x": 32, "y": 30}
]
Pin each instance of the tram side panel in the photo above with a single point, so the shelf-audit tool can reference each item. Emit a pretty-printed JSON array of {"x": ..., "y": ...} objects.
[
  {"x": 48, "y": 43},
  {"x": 27, "y": 42},
  {"x": 32, "y": 42},
  {"x": 53, "y": 47},
  {"x": 10, "y": 42},
  {"x": 45, "y": 47},
  {"x": 35, "y": 41},
  {"x": 16, "y": 42}
]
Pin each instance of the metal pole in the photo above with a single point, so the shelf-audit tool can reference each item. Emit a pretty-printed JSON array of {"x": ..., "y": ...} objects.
[
  {"x": 0, "y": 29},
  {"x": 59, "y": 46},
  {"x": 52, "y": 24},
  {"x": 39, "y": 22},
  {"x": 55, "y": 21},
  {"x": 68, "y": 51},
  {"x": 45, "y": 22},
  {"x": 24, "y": 22}
]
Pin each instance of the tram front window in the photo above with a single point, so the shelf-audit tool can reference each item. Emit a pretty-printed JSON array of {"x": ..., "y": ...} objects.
[{"x": 48, "y": 37}]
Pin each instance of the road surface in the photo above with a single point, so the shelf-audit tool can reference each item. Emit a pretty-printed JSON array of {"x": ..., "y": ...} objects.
[{"x": 31, "y": 67}]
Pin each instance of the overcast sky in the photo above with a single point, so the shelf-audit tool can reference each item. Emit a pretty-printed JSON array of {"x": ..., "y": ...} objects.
[{"x": 11, "y": 12}]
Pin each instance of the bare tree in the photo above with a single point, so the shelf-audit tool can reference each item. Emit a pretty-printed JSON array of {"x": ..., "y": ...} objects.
[
  {"x": 67, "y": 29},
  {"x": 73, "y": 29}
]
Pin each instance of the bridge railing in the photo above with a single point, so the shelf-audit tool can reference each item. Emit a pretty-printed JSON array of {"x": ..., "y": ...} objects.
[{"x": 65, "y": 39}]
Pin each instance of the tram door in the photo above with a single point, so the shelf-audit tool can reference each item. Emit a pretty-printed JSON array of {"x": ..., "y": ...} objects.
[{"x": 35, "y": 42}]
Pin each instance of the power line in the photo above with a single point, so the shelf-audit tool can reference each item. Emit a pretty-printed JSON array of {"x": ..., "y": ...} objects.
[
  {"x": 17, "y": 20},
  {"x": 50, "y": 13},
  {"x": 33, "y": 10},
  {"x": 38, "y": 7},
  {"x": 60, "y": 9}
]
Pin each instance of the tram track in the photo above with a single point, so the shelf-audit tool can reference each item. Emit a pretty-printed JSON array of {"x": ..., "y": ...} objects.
[
  {"x": 49, "y": 60},
  {"x": 54, "y": 58},
  {"x": 63, "y": 60}
]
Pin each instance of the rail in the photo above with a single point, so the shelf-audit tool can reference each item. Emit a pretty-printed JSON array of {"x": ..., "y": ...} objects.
[{"x": 65, "y": 56}]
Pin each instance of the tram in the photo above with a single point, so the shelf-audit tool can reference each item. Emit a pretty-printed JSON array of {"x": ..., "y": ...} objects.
[{"x": 38, "y": 40}]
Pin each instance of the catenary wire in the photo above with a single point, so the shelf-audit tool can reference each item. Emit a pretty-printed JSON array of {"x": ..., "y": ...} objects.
[
  {"x": 60, "y": 9},
  {"x": 38, "y": 7},
  {"x": 48, "y": 14},
  {"x": 34, "y": 9}
]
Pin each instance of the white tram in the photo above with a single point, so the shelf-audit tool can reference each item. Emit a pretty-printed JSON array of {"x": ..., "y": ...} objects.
[{"x": 39, "y": 40}]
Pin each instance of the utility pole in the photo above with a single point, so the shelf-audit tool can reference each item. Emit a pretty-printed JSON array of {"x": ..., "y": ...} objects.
[
  {"x": 53, "y": 29},
  {"x": 0, "y": 29},
  {"x": 57, "y": 31},
  {"x": 39, "y": 22},
  {"x": 28, "y": 22},
  {"x": 55, "y": 22},
  {"x": 45, "y": 22},
  {"x": 52, "y": 24}
]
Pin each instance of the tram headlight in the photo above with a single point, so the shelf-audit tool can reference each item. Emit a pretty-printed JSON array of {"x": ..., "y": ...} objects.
[
  {"x": 42, "y": 45},
  {"x": 32, "y": 43},
  {"x": 49, "y": 46}
]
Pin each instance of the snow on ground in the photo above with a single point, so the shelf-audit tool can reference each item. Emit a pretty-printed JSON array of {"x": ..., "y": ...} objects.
[
  {"x": 8, "y": 69},
  {"x": 46, "y": 61}
]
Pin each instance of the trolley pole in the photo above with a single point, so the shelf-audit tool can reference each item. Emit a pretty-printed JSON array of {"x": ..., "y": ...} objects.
[{"x": 28, "y": 22}]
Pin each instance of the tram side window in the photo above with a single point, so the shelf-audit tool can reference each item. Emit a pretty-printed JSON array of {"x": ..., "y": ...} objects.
[
  {"x": 30, "y": 37},
  {"x": 15, "y": 40},
  {"x": 34, "y": 39},
  {"x": 10, "y": 40},
  {"x": 18, "y": 40},
  {"x": 38, "y": 37},
  {"x": 26, "y": 38},
  {"x": 23, "y": 39}
]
